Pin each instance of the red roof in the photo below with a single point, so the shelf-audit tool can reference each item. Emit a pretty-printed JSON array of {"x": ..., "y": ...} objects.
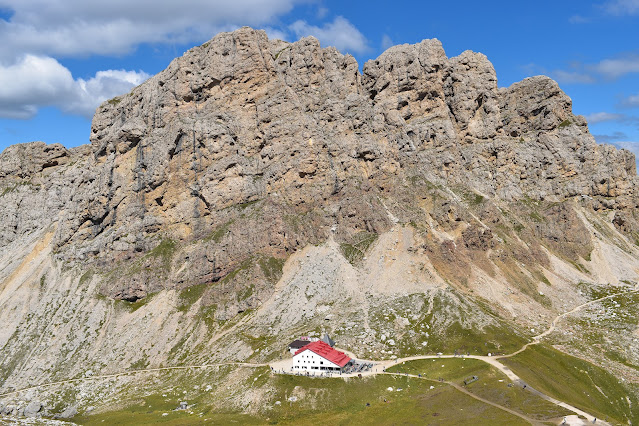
[{"x": 326, "y": 352}]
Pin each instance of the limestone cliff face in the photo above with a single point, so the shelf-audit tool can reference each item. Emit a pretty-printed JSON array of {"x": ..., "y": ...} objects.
[{"x": 297, "y": 129}]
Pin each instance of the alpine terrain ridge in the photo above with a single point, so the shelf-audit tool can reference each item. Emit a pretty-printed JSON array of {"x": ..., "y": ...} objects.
[{"x": 258, "y": 190}]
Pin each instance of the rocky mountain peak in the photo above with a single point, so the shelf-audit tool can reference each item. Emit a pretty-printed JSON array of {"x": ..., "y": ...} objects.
[{"x": 297, "y": 129}]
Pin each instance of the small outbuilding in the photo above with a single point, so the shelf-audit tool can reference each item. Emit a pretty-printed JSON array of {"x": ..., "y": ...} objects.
[
  {"x": 319, "y": 356},
  {"x": 298, "y": 344}
]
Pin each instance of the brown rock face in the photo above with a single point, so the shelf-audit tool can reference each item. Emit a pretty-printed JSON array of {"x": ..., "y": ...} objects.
[{"x": 251, "y": 147}]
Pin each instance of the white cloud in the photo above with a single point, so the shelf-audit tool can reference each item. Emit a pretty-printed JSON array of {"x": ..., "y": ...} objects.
[
  {"x": 34, "y": 32},
  {"x": 580, "y": 73},
  {"x": 339, "y": 33},
  {"x": 615, "y": 136},
  {"x": 322, "y": 12},
  {"x": 600, "y": 117},
  {"x": 571, "y": 77},
  {"x": 578, "y": 19},
  {"x": 88, "y": 94},
  {"x": 615, "y": 68},
  {"x": 32, "y": 82},
  {"x": 622, "y": 7},
  {"x": 574, "y": 76},
  {"x": 629, "y": 145},
  {"x": 631, "y": 101},
  {"x": 603, "y": 117},
  {"x": 274, "y": 33},
  {"x": 81, "y": 27},
  {"x": 37, "y": 81},
  {"x": 386, "y": 42}
]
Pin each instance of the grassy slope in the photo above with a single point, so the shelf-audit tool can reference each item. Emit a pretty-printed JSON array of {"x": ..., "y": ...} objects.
[
  {"x": 325, "y": 401},
  {"x": 488, "y": 386},
  {"x": 152, "y": 414},
  {"x": 576, "y": 382},
  {"x": 341, "y": 402}
]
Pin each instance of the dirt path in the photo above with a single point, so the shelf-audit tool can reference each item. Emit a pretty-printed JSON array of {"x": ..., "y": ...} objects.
[
  {"x": 553, "y": 324},
  {"x": 225, "y": 331}
]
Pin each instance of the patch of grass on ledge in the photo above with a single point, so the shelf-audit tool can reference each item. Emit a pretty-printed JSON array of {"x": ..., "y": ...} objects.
[
  {"x": 277, "y": 55},
  {"x": 355, "y": 252},
  {"x": 191, "y": 295},
  {"x": 218, "y": 233},
  {"x": 165, "y": 250},
  {"x": 14, "y": 187},
  {"x": 564, "y": 123},
  {"x": 86, "y": 277},
  {"x": 272, "y": 267}
]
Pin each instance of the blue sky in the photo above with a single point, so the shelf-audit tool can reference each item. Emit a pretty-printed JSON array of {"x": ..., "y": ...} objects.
[{"x": 60, "y": 58}]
